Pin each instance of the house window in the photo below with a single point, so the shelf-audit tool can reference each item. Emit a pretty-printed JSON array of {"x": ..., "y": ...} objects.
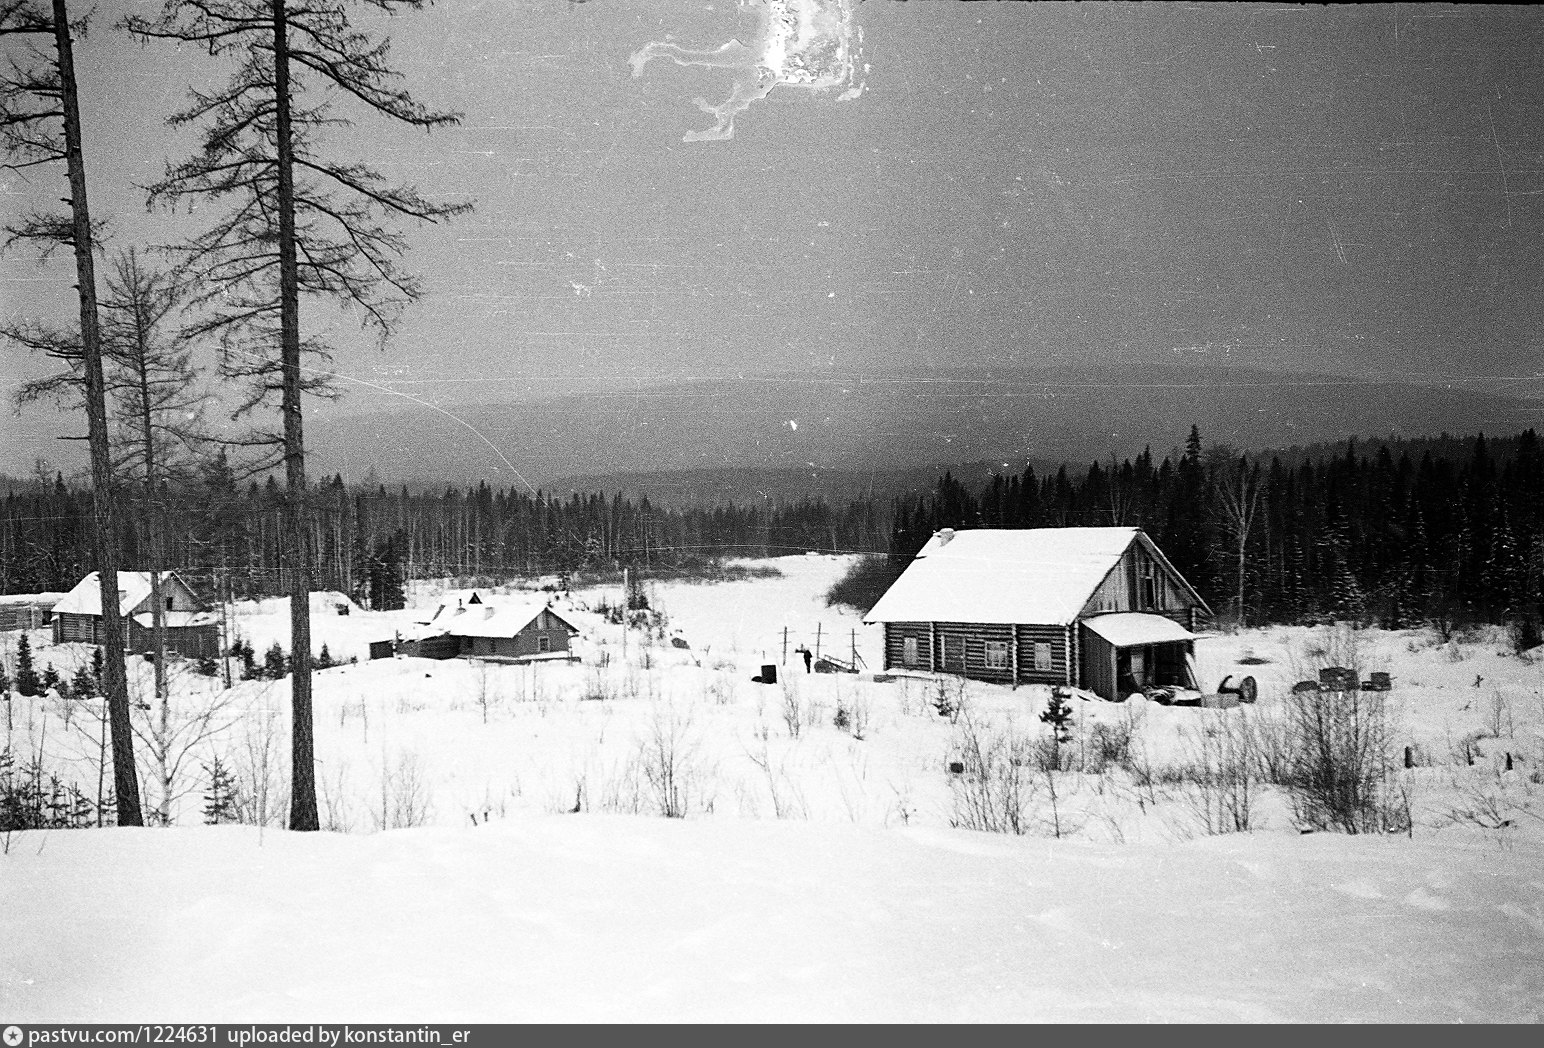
[
  {"x": 909, "y": 651},
  {"x": 543, "y": 643},
  {"x": 169, "y": 604},
  {"x": 1149, "y": 587},
  {"x": 1042, "y": 656},
  {"x": 996, "y": 654}
]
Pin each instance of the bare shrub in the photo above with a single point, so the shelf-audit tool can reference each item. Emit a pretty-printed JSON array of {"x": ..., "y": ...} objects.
[
  {"x": 1495, "y": 801},
  {"x": 336, "y": 812},
  {"x": 1499, "y": 716},
  {"x": 668, "y": 758},
  {"x": 1342, "y": 774},
  {"x": 996, "y": 783},
  {"x": 862, "y": 716},
  {"x": 258, "y": 765},
  {"x": 485, "y": 689},
  {"x": 404, "y": 795},
  {"x": 1271, "y": 742},
  {"x": 787, "y": 799},
  {"x": 792, "y": 709},
  {"x": 1108, "y": 744},
  {"x": 1220, "y": 787}
]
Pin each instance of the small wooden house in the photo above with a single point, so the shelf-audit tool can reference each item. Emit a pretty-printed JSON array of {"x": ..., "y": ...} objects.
[
  {"x": 1095, "y": 608},
  {"x": 27, "y": 611},
  {"x": 192, "y": 629},
  {"x": 474, "y": 629},
  {"x": 527, "y": 632}
]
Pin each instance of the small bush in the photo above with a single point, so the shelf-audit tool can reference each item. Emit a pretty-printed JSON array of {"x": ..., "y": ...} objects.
[
  {"x": 1340, "y": 773},
  {"x": 1109, "y": 744},
  {"x": 993, "y": 789}
]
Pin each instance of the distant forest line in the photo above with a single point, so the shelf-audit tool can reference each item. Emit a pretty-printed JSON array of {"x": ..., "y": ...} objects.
[{"x": 1445, "y": 530}]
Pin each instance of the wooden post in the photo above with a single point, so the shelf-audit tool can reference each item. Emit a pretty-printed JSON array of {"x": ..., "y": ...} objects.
[
  {"x": 932, "y": 647},
  {"x": 855, "y": 647},
  {"x": 1013, "y": 651},
  {"x": 785, "y": 645},
  {"x": 817, "y": 640}
]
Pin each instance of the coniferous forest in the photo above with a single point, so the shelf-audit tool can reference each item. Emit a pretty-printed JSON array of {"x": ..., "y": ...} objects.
[{"x": 1446, "y": 531}]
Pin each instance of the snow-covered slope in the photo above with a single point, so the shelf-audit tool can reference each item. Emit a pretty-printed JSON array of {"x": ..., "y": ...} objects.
[{"x": 607, "y": 918}]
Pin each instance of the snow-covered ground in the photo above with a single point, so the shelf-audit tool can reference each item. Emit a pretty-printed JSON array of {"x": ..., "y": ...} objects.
[{"x": 817, "y": 873}]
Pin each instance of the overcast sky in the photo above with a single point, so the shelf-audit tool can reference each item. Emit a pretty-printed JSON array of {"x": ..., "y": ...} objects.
[{"x": 1333, "y": 190}]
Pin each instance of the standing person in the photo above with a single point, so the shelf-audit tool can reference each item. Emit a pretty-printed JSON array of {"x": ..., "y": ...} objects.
[{"x": 808, "y": 655}]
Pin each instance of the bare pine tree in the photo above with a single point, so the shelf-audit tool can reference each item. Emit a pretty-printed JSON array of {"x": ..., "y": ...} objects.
[
  {"x": 40, "y": 124},
  {"x": 154, "y": 403},
  {"x": 298, "y": 223},
  {"x": 158, "y": 407}
]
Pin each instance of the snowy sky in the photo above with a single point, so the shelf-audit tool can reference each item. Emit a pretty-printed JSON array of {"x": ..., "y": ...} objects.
[{"x": 1350, "y": 190}]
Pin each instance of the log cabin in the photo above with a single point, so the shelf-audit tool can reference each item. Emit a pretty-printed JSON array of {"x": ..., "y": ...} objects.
[
  {"x": 192, "y": 629},
  {"x": 1100, "y": 609}
]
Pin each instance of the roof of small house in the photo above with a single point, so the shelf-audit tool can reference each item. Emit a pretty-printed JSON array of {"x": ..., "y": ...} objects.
[
  {"x": 133, "y": 589},
  {"x": 1000, "y": 575},
  {"x": 500, "y": 621},
  {"x": 1125, "y": 629},
  {"x": 179, "y": 619},
  {"x": 454, "y": 602},
  {"x": 45, "y": 600}
]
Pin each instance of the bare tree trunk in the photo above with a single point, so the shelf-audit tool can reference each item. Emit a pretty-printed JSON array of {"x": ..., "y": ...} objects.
[
  {"x": 303, "y": 810},
  {"x": 114, "y": 682}
]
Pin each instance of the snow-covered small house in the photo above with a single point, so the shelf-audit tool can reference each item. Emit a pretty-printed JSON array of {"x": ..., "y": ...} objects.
[
  {"x": 1095, "y": 608},
  {"x": 466, "y": 626},
  {"x": 526, "y": 631},
  {"x": 27, "y": 611},
  {"x": 191, "y": 628}
]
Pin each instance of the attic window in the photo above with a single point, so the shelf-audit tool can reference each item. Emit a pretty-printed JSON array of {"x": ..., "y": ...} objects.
[
  {"x": 169, "y": 604},
  {"x": 1149, "y": 587}
]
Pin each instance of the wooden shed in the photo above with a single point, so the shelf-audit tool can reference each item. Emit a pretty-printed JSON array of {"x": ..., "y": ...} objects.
[
  {"x": 192, "y": 629},
  {"x": 27, "y": 611},
  {"x": 1095, "y": 608}
]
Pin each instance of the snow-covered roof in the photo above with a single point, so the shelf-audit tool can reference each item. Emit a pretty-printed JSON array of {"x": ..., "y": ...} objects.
[
  {"x": 30, "y": 599},
  {"x": 454, "y": 602},
  {"x": 179, "y": 619},
  {"x": 996, "y": 575},
  {"x": 133, "y": 589},
  {"x": 1127, "y": 628},
  {"x": 501, "y": 621}
]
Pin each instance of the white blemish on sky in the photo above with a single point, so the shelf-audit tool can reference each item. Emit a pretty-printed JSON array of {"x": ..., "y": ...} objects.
[{"x": 798, "y": 43}]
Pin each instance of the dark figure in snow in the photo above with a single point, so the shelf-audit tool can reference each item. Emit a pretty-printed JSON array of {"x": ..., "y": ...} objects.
[{"x": 808, "y": 656}]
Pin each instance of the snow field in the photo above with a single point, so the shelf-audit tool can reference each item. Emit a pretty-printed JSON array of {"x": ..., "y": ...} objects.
[{"x": 815, "y": 876}]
